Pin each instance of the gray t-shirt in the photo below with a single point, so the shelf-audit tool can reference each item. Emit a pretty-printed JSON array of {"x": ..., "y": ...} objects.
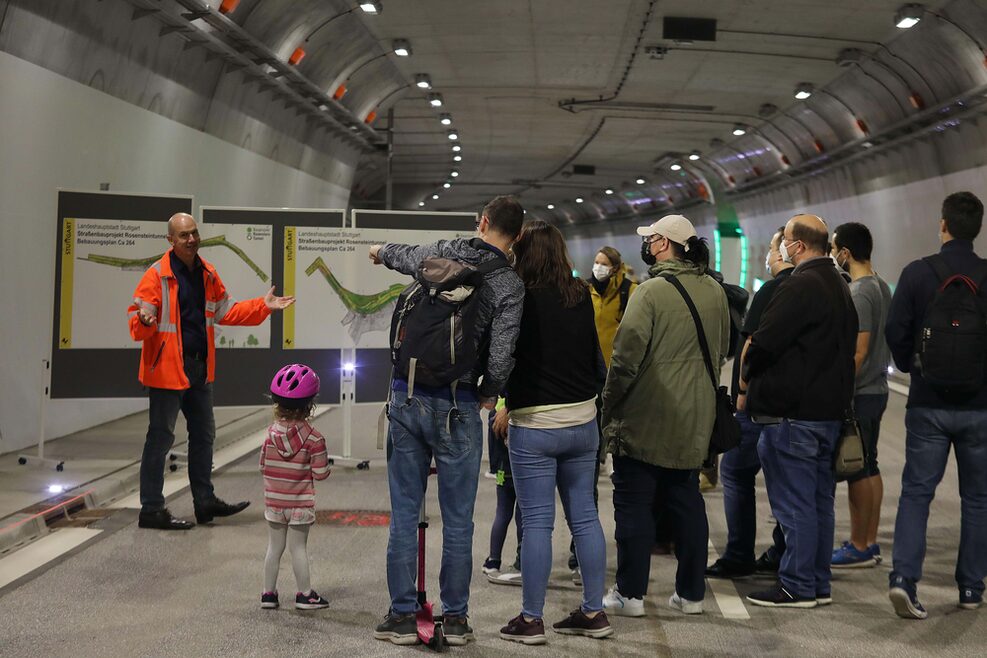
[{"x": 872, "y": 299}]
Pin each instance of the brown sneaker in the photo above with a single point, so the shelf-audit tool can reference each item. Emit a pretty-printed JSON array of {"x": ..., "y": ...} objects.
[
  {"x": 525, "y": 632},
  {"x": 577, "y": 623}
]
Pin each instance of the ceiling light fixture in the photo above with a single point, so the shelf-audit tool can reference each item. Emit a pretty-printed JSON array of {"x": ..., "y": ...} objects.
[
  {"x": 435, "y": 100},
  {"x": 676, "y": 167},
  {"x": 640, "y": 181},
  {"x": 453, "y": 135},
  {"x": 457, "y": 148},
  {"x": 401, "y": 47},
  {"x": 803, "y": 90},
  {"x": 739, "y": 129},
  {"x": 447, "y": 185},
  {"x": 454, "y": 173},
  {"x": 579, "y": 199},
  {"x": 457, "y": 158},
  {"x": 423, "y": 81},
  {"x": 372, "y": 7},
  {"x": 608, "y": 191},
  {"x": 550, "y": 207},
  {"x": 445, "y": 119},
  {"x": 435, "y": 196},
  {"x": 695, "y": 155},
  {"x": 908, "y": 16}
]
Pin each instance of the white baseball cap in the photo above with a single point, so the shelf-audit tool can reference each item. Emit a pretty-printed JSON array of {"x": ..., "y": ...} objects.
[{"x": 674, "y": 227}]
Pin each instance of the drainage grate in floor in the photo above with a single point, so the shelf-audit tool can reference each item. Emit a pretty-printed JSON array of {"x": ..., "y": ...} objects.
[
  {"x": 82, "y": 518},
  {"x": 353, "y": 518}
]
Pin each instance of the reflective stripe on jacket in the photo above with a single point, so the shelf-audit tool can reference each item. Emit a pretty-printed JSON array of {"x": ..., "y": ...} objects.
[{"x": 162, "y": 363}]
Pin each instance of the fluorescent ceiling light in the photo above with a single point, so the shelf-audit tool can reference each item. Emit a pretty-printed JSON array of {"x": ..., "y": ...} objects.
[
  {"x": 423, "y": 81},
  {"x": 739, "y": 129},
  {"x": 454, "y": 173},
  {"x": 908, "y": 16},
  {"x": 372, "y": 7},
  {"x": 457, "y": 148},
  {"x": 608, "y": 191},
  {"x": 695, "y": 155},
  {"x": 435, "y": 100},
  {"x": 803, "y": 90},
  {"x": 453, "y": 135},
  {"x": 421, "y": 204},
  {"x": 457, "y": 158},
  {"x": 640, "y": 181},
  {"x": 445, "y": 119},
  {"x": 401, "y": 47},
  {"x": 550, "y": 207},
  {"x": 435, "y": 196},
  {"x": 447, "y": 185},
  {"x": 579, "y": 199},
  {"x": 676, "y": 167}
]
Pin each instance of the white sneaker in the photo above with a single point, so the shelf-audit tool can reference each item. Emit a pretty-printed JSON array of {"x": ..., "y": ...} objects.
[
  {"x": 685, "y": 606},
  {"x": 505, "y": 578},
  {"x": 577, "y": 577},
  {"x": 616, "y": 604}
]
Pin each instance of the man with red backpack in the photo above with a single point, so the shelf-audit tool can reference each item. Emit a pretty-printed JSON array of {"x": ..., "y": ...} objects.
[{"x": 937, "y": 332}]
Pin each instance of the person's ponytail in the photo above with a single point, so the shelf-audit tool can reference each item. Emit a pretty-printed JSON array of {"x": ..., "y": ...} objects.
[{"x": 696, "y": 252}]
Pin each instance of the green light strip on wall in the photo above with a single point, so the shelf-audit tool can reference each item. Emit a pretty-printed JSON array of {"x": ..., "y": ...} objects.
[
  {"x": 716, "y": 249},
  {"x": 743, "y": 260}
]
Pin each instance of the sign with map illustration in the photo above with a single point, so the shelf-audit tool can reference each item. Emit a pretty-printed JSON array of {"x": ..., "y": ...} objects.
[
  {"x": 103, "y": 260},
  {"x": 344, "y": 301}
]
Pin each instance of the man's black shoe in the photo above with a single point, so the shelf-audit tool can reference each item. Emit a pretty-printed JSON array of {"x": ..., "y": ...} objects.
[
  {"x": 729, "y": 569},
  {"x": 162, "y": 520},
  {"x": 205, "y": 512},
  {"x": 767, "y": 563}
]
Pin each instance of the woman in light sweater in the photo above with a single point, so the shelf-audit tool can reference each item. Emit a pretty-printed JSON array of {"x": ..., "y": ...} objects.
[{"x": 553, "y": 436}]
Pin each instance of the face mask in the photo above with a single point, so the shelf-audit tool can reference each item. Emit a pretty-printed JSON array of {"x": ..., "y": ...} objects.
[
  {"x": 646, "y": 255},
  {"x": 785, "y": 256},
  {"x": 601, "y": 272},
  {"x": 767, "y": 262}
]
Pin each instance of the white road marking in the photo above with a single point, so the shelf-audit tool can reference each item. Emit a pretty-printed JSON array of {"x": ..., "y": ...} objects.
[
  {"x": 726, "y": 595},
  {"x": 42, "y": 551}
]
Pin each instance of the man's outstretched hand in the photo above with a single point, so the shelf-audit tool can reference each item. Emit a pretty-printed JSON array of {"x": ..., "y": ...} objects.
[{"x": 277, "y": 303}]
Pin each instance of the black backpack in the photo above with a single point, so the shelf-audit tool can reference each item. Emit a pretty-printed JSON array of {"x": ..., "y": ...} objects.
[
  {"x": 951, "y": 346},
  {"x": 433, "y": 328},
  {"x": 737, "y": 299},
  {"x": 625, "y": 293}
]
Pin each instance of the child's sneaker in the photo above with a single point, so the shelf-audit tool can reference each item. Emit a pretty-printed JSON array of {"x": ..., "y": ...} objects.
[
  {"x": 310, "y": 601},
  {"x": 617, "y": 604},
  {"x": 849, "y": 556},
  {"x": 269, "y": 600},
  {"x": 875, "y": 551}
]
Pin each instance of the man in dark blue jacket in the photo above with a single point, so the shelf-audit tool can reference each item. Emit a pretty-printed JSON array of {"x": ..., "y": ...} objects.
[{"x": 933, "y": 424}]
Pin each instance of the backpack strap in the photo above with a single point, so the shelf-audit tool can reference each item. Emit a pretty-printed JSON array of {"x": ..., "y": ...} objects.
[
  {"x": 625, "y": 293},
  {"x": 939, "y": 266},
  {"x": 700, "y": 333},
  {"x": 492, "y": 265}
]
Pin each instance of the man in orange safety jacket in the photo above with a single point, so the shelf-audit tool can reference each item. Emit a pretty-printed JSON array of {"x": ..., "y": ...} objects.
[{"x": 175, "y": 307}]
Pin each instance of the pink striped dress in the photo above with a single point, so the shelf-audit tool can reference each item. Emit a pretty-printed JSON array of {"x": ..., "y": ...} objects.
[{"x": 292, "y": 457}]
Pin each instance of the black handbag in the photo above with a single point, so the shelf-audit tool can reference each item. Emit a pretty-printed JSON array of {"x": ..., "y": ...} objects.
[
  {"x": 726, "y": 429},
  {"x": 850, "y": 453}
]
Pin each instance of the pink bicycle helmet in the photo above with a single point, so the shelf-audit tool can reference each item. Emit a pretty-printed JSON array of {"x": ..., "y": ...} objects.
[{"x": 294, "y": 386}]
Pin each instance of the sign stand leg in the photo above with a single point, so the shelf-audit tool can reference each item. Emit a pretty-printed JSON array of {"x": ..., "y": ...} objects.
[
  {"x": 347, "y": 398},
  {"x": 40, "y": 459}
]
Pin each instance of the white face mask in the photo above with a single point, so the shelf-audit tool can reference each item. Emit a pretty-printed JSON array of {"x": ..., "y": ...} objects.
[
  {"x": 767, "y": 262},
  {"x": 785, "y": 256},
  {"x": 601, "y": 272}
]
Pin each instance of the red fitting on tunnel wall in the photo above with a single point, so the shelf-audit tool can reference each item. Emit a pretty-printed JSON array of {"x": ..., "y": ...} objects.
[
  {"x": 819, "y": 146},
  {"x": 784, "y": 158},
  {"x": 862, "y": 126},
  {"x": 916, "y": 100},
  {"x": 731, "y": 179},
  {"x": 757, "y": 171},
  {"x": 339, "y": 93},
  {"x": 228, "y": 6},
  {"x": 371, "y": 117},
  {"x": 297, "y": 56}
]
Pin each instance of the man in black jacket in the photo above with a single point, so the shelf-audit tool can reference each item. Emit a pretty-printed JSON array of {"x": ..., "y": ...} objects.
[
  {"x": 799, "y": 369},
  {"x": 933, "y": 423}
]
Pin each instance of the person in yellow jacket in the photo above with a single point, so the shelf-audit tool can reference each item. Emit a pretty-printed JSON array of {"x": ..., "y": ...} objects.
[
  {"x": 611, "y": 286},
  {"x": 176, "y": 304}
]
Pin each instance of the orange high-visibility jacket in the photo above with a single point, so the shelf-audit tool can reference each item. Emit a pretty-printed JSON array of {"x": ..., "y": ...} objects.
[{"x": 162, "y": 365}]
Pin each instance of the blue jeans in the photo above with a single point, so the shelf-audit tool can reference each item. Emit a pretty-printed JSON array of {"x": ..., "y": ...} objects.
[
  {"x": 738, "y": 471},
  {"x": 417, "y": 433},
  {"x": 195, "y": 403},
  {"x": 540, "y": 459},
  {"x": 929, "y": 435},
  {"x": 797, "y": 456}
]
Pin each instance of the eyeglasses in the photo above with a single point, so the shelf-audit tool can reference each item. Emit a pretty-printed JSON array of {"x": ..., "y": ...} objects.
[{"x": 649, "y": 239}]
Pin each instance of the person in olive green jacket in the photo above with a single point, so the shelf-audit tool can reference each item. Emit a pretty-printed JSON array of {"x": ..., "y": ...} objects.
[
  {"x": 610, "y": 288},
  {"x": 658, "y": 411}
]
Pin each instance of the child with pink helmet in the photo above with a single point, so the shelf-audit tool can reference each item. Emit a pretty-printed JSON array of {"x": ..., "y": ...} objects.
[{"x": 292, "y": 457}]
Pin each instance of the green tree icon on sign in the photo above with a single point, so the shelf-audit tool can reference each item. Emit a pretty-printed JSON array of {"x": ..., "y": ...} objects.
[{"x": 252, "y": 341}]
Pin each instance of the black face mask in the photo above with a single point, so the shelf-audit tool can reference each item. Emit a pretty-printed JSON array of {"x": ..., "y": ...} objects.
[{"x": 646, "y": 255}]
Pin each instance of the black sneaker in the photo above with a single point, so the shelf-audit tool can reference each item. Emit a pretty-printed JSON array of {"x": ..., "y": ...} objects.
[
  {"x": 457, "y": 631},
  {"x": 767, "y": 563},
  {"x": 970, "y": 599},
  {"x": 398, "y": 629},
  {"x": 269, "y": 600},
  {"x": 780, "y": 597},
  {"x": 523, "y": 631},
  {"x": 577, "y": 623},
  {"x": 904, "y": 598},
  {"x": 729, "y": 569},
  {"x": 310, "y": 601}
]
